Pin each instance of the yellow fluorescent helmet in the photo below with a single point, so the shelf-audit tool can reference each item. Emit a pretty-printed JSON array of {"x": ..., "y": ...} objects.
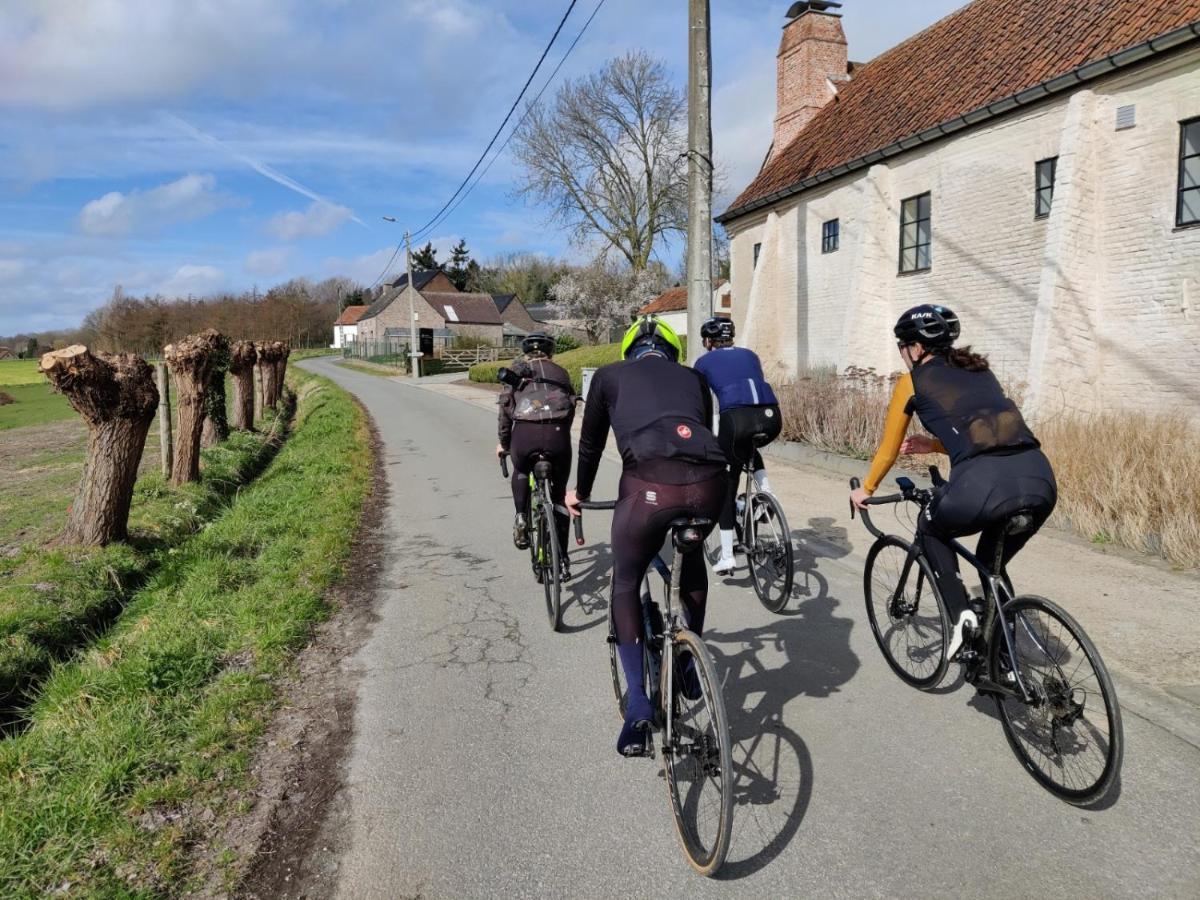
[{"x": 651, "y": 327}]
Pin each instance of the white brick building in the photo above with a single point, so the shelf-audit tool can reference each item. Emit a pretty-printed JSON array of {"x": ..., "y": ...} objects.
[{"x": 1087, "y": 291}]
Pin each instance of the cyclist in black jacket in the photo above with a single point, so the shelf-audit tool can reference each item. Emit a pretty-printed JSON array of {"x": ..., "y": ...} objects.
[
  {"x": 673, "y": 466},
  {"x": 536, "y": 418}
]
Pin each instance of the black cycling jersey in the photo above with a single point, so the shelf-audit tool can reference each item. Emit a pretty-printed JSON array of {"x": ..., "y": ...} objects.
[
  {"x": 662, "y": 423},
  {"x": 967, "y": 411}
]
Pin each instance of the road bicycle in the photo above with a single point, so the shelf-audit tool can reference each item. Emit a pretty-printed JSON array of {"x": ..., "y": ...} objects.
[
  {"x": 1052, "y": 691},
  {"x": 761, "y": 533},
  {"x": 693, "y": 733},
  {"x": 545, "y": 554}
]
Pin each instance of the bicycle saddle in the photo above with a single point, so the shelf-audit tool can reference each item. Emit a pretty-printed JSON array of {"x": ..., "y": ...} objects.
[
  {"x": 541, "y": 469},
  {"x": 761, "y": 439},
  {"x": 688, "y": 533}
]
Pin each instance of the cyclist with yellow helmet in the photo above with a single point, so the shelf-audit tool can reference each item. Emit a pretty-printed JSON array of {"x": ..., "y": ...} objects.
[{"x": 660, "y": 412}]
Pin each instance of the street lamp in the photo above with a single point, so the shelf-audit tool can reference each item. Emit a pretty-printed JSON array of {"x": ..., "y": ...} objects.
[{"x": 414, "y": 355}]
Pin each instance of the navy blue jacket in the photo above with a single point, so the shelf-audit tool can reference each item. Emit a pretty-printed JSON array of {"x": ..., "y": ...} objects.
[{"x": 736, "y": 377}]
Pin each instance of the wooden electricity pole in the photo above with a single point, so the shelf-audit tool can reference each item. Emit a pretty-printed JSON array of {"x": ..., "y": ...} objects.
[{"x": 700, "y": 174}]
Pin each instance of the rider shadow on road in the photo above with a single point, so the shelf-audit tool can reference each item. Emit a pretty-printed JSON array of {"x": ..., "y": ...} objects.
[
  {"x": 772, "y": 765},
  {"x": 585, "y": 597}
]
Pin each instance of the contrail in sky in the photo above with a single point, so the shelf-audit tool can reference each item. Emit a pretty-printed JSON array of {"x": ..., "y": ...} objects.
[{"x": 260, "y": 167}]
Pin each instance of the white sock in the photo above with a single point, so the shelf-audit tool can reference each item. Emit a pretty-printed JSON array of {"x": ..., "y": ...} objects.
[
  {"x": 726, "y": 544},
  {"x": 760, "y": 478}
]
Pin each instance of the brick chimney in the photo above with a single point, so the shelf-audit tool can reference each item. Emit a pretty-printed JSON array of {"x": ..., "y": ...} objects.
[{"x": 812, "y": 54}]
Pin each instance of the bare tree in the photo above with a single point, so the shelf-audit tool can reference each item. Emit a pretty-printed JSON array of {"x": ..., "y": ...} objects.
[
  {"x": 116, "y": 397},
  {"x": 285, "y": 350},
  {"x": 242, "y": 357},
  {"x": 269, "y": 353},
  {"x": 604, "y": 296},
  {"x": 190, "y": 362},
  {"x": 608, "y": 158}
]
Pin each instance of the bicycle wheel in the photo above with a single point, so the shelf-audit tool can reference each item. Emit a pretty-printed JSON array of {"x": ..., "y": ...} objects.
[
  {"x": 532, "y": 514},
  {"x": 551, "y": 570},
  {"x": 768, "y": 546},
  {"x": 910, "y": 624},
  {"x": 1070, "y": 737},
  {"x": 614, "y": 660},
  {"x": 698, "y": 763}
]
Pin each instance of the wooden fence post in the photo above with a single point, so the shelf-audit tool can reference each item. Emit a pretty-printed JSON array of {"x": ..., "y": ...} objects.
[{"x": 164, "y": 418}]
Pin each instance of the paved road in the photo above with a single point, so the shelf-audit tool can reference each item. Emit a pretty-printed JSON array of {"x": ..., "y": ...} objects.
[{"x": 483, "y": 761}]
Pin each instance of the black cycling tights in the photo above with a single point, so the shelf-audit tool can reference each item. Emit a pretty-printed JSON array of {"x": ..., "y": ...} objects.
[
  {"x": 640, "y": 526},
  {"x": 528, "y": 439},
  {"x": 736, "y": 437},
  {"x": 981, "y": 495}
]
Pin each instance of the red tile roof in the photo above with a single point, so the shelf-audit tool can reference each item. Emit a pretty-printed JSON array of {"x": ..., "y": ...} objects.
[
  {"x": 984, "y": 52},
  {"x": 670, "y": 300},
  {"x": 350, "y": 315}
]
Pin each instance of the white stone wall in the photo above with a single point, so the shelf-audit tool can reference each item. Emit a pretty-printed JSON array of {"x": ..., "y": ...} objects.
[{"x": 1094, "y": 305}]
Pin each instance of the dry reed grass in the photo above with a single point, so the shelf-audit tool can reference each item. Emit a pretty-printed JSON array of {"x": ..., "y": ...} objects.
[{"x": 1124, "y": 478}]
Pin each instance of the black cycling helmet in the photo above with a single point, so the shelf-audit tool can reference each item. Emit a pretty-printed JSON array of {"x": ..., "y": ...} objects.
[
  {"x": 538, "y": 342},
  {"x": 717, "y": 329},
  {"x": 932, "y": 325}
]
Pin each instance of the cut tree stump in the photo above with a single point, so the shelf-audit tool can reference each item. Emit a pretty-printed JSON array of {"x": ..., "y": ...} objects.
[
  {"x": 190, "y": 362},
  {"x": 242, "y": 357},
  {"x": 285, "y": 350},
  {"x": 268, "y": 364},
  {"x": 216, "y": 422},
  {"x": 116, "y": 396}
]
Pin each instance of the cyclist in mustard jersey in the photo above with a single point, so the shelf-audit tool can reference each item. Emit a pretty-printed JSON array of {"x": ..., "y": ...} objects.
[{"x": 997, "y": 468}]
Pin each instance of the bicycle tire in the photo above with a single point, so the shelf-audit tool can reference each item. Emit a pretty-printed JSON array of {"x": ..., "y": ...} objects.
[
  {"x": 874, "y": 586},
  {"x": 551, "y": 566},
  {"x": 779, "y": 557},
  {"x": 705, "y": 851},
  {"x": 534, "y": 545},
  {"x": 1030, "y": 642}
]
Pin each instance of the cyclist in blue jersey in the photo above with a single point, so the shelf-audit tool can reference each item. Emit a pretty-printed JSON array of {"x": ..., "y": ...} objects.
[{"x": 748, "y": 407}]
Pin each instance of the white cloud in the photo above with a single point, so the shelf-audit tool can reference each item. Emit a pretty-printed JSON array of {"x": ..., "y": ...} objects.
[
  {"x": 192, "y": 280},
  {"x": 319, "y": 219},
  {"x": 267, "y": 263},
  {"x": 114, "y": 214},
  {"x": 367, "y": 268},
  {"x": 12, "y": 269}
]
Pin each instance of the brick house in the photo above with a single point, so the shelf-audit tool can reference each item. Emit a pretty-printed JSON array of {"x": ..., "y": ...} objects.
[
  {"x": 6, "y": 353},
  {"x": 671, "y": 305},
  {"x": 1036, "y": 166},
  {"x": 388, "y": 315}
]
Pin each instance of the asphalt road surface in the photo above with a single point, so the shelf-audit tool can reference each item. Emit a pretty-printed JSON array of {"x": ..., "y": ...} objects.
[{"x": 483, "y": 762}]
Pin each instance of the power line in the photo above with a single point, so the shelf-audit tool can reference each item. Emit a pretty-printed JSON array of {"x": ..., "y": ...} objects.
[
  {"x": 516, "y": 128},
  {"x": 511, "y": 110}
]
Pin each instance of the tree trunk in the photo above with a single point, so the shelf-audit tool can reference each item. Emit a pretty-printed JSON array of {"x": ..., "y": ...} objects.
[
  {"x": 190, "y": 362},
  {"x": 242, "y": 357},
  {"x": 216, "y": 422},
  {"x": 268, "y": 362},
  {"x": 116, "y": 397},
  {"x": 285, "y": 350}
]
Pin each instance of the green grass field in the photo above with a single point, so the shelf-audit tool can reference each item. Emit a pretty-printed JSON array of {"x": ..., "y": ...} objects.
[
  {"x": 20, "y": 371},
  {"x": 155, "y": 722}
]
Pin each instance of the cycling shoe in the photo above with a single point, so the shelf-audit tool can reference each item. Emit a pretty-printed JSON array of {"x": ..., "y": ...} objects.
[{"x": 635, "y": 733}]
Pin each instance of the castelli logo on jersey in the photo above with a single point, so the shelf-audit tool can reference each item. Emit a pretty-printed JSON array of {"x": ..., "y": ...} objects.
[{"x": 684, "y": 432}]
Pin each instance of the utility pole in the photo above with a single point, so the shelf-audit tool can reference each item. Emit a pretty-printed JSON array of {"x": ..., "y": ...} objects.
[
  {"x": 699, "y": 237},
  {"x": 413, "y": 348}
]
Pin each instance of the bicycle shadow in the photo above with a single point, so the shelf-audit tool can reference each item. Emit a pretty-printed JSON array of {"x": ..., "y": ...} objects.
[
  {"x": 773, "y": 774},
  {"x": 585, "y": 596}
]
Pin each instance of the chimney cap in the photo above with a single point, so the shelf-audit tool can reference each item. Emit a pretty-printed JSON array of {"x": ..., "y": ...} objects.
[{"x": 800, "y": 8}]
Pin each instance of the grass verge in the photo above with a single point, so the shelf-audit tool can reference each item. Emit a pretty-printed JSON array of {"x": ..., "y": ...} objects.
[
  {"x": 141, "y": 743},
  {"x": 33, "y": 404},
  {"x": 54, "y": 600}
]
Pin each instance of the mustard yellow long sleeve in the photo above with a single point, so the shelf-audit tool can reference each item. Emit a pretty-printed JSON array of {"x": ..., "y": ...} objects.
[{"x": 894, "y": 429}]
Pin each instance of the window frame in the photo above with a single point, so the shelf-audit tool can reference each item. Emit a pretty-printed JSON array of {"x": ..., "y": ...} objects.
[
  {"x": 757, "y": 251},
  {"x": 1180, "y": 190},
  {"x": 831, "y": 238},
  {"x": 1038, "y": 189},
  {"x": 916, "y": 248}
]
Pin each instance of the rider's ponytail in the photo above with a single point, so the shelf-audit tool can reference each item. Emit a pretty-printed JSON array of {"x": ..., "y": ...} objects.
[{"x": 964, "y": 358}]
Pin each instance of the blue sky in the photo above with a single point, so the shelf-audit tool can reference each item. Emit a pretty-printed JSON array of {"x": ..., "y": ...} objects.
[{"x": 192, "y": 146}]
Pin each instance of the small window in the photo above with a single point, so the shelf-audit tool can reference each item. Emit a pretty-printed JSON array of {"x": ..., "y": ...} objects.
[
  {"x": 1043, "y": 186},
  {"x": 830, "y": 235},
  {"x": 1188, "y": 209},
  {"x": 757, "y": 250},
  {"x": 915, "y": 234}
]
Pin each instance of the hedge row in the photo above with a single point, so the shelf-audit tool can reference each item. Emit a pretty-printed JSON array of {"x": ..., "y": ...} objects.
[{"x": 574, "y": 361}]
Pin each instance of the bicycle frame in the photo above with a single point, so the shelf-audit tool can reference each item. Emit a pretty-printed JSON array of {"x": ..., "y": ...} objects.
[{"x": 996, "y": 592}]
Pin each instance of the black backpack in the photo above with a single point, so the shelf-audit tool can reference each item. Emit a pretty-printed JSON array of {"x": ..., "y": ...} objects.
[{"x": 545, "y": 393}]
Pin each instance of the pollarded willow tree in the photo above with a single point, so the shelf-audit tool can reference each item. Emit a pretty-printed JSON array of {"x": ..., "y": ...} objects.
[
  {"x": 117, "y": 397},
  {"x": 608, "y": 158},
  {"x": 216, "y": 422},
  {"x": 242, "y": 357},
  {"x": 285, "y": 350},
  {"x": 190, "y": 362}
]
